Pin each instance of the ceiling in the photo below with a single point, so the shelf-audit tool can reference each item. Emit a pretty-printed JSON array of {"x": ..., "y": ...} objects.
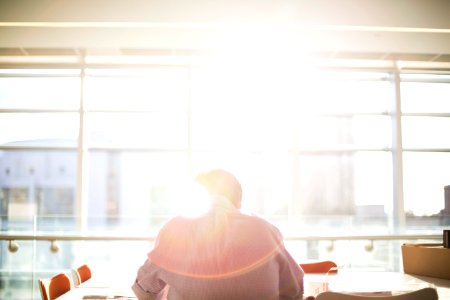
[{"x": 411, "y": 30}]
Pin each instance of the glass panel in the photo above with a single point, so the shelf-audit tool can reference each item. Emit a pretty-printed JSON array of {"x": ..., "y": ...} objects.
[
  {"x": 135, "y": 191},
  {"x": 349, "y": 180},
  {"x": 266, "y": 179},
  {"x": 17, "y": 273},
  {"x": 353, "y": 95},
  {"x": 41, "y": 91},
  {"x": 358, "y": 184},
  {"x": 425, "y": 97},
  {"x": 150, "y": 89},
  {"x": 264, "y": 115},
  {"x": 233, "y": 131},
  {"x": 425, "y": 175},
  {"x": 426, "y": 132},
  {"x": 42, "y": 129},
  {"x": 425, "y": 77},
  {"x": 215, "y": 131},
  {"x": 34, "y": 183},
  {"x": 373, "y": 184},
  {"x": 105, "y": 258},
  {"x": 34, "y": 259},
  {"x": 155, "y": 130},
  {"x": 317, "y": 171},
  {"x": 290, "y": 90},
  {"x": 355, "y": 131}
]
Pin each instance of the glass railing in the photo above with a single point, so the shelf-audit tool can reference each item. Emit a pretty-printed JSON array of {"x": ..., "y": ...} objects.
[{"x": 115, "y": 248}]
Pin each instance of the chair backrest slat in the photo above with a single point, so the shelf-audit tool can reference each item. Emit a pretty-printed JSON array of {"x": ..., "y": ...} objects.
[
  {"x": 81, "y": 274},
  {"x": 52, "y": 288},
  {"x": 326, "y": 266}
]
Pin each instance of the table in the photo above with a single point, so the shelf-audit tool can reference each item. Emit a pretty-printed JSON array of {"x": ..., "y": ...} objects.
[
  {"x": 346, "y": 280},
  {"x": 373, "y": 281},
  {"x": 100, "y": 289},
  {"x": 78, "y": 293}
]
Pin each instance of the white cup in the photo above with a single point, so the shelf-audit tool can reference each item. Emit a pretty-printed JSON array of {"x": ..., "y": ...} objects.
[{"x": 313, "y": 288}]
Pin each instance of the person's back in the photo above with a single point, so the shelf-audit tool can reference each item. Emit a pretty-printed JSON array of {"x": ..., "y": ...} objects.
[{"x": 221, "y": 255}]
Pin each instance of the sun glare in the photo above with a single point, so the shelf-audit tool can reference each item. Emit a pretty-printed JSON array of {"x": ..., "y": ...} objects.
[{"x": 191, "y": 201}]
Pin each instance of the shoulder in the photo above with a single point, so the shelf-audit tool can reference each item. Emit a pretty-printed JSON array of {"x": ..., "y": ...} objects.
[
  {"x": 177, "y": 223},
  {"x": 260, "y": 223},
  {"x": 174, "y": 231},
  {"x": 257, "y": 219}
]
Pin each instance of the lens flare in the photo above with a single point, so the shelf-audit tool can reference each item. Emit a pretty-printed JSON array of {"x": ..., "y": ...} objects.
[{"x": 191, "y": 201}]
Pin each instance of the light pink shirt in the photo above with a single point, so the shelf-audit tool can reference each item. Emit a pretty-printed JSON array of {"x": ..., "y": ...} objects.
[{"x": 221, "y": 255}]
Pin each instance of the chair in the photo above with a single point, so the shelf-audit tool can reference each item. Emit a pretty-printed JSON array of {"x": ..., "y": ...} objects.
[
  {"x": 52, "y": 288},
  {"x": 422, "y": 294},
  {"x": 326, "y": 266},
  {"x": 81, "y": 274}
]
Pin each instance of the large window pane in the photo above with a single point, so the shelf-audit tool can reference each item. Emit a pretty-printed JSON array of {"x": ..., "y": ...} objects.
[
  {"x": 373, "y": 182},
  {"x": 266, "y": 179},
  {"x": 36, "y": 183},
  {"x": 426, "y": 132},
  {"x": 39, "y": 129},
  {"x": 315, "y": 172},
  {"x": 304, "y": 92},
  {"x": 257, "y": 131},
  {"x": 355, "y": 131},
  {"x": 425, "y": 175},
  {"x": 349, "y": 184},
  {"x": 312, "y": 149},
  {"x": 237, "y": 131},
  {"x": 349, "y": 92},
  {"x": 48, "y": 89},
  {"x": 135, "y": 191},
  {"x": 323, "y": 109},
  {"x": 156, "y": 130},
  {"x": 426, "y": 97},
  {"x": 150, "y": 89},
  {"x": 17, "y": 277}
]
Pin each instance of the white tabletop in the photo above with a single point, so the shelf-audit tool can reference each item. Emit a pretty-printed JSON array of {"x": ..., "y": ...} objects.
[
  {"x": 94, "y": 291},
  {"x": 346, "y": 280},
  {"x": 373, "y": 281}
]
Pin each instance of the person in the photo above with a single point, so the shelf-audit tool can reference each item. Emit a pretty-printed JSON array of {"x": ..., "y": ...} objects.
[{"x": 223, "y": 254}]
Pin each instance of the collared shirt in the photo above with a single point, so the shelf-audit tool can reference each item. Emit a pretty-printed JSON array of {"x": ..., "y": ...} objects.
[{"x": 222, "y": 255}]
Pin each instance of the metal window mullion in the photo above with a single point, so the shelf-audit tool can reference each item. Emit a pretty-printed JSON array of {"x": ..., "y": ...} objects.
[
  {"x": 80, "y": 209},
  {"x": 397, "y": 158},
  {"x": 189, "y": 120}
]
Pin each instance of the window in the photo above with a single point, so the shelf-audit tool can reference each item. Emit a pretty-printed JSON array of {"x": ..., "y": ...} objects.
[
  {"x": 40, "y": 89},
  {"x": 425, "y": 122},
  {"x": 315, "y": 149},
  {"x": 39, "y": 118},
  {"x": 302, "y": 143}
]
